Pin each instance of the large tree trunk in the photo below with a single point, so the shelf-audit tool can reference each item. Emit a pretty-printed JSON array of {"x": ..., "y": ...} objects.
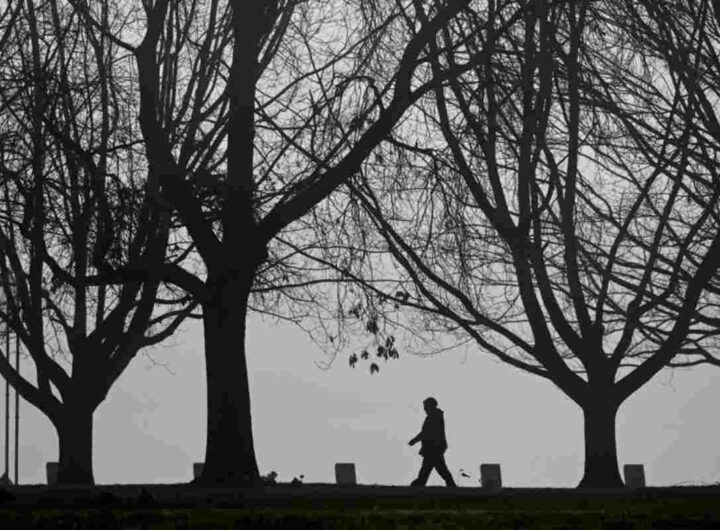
[
  {"x": 75, "y": 436},
  {"x": 229, "y": 452},
  {"x": 601, "y": 463}
]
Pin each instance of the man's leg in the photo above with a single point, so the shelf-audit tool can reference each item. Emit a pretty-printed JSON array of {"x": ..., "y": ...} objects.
[
  {"x": 444, "y": 472},
  {"x": 425, "y": 469}
]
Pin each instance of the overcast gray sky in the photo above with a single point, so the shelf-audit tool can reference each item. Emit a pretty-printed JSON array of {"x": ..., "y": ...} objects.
[{"x": 151, "y": 428}]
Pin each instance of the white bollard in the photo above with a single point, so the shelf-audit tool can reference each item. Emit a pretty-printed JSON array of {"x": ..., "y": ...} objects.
[
  {"x": 490, "y": 477},
  {"x": 634, "y": 475},
  {"x": 51, "y": 470},
  {"x": 198, "y": 469},
  {"x": 345, "y": 474}
]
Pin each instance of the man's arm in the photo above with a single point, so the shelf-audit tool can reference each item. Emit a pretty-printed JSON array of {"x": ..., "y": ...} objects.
[{"x": 421, "y": 435}]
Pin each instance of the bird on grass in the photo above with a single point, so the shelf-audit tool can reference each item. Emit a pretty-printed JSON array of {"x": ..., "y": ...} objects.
[{"x": 270, "y": 478}]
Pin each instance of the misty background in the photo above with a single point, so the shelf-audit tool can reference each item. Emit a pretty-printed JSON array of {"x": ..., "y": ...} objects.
[{"x": 151, "y": 428}]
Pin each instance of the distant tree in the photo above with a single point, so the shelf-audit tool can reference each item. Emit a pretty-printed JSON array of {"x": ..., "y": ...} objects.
[
  {"x": 542, "y": 205},
  {"x": 251, "y": 114},
  {"x": 72, "y": 196}
]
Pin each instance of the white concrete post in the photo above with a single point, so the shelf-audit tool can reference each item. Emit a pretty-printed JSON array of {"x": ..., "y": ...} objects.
[
  {"x": 51, "y": 470},
  {"x": 490, "y": 477},
  {"x": 345, "y": 473},
  {"x": 634, "y": 475}
]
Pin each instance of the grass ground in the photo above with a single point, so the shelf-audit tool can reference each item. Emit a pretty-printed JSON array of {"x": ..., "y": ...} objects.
[{"x": 326, "y": 506}]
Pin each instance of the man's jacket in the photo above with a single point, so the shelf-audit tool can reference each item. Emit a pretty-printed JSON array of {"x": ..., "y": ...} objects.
[{"x": 432, "y": 435}]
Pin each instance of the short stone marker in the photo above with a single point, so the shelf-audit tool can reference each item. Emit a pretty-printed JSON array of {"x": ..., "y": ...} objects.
[
  {"x": 198, "y": 469},
  {"x": 345, "y": 473},
  {"x": 490, "y": 476},
  {"x": 51, "y": 470},
  {"x": 634, "y": 475}
]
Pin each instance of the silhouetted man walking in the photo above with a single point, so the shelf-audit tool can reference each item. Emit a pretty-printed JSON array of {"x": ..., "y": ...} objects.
[{"x": 433, "y": 445}]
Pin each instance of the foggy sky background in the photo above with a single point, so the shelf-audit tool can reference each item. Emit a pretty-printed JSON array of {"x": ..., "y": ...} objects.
[{"x": 151, "y": 428}]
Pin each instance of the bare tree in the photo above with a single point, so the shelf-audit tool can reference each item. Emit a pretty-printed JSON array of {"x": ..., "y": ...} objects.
[
  {"x": 251, "y": 114},
  {"x": 542, "y": 205},
  {"x": 72, "y": 198}
]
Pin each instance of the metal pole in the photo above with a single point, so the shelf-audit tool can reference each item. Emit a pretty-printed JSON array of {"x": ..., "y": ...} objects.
[
  {"x": 17, "y": 409},
  {"x": 7, "y": 406}
]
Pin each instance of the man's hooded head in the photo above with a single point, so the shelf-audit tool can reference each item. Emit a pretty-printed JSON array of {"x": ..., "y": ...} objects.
[{"x": 430, "y": 404}]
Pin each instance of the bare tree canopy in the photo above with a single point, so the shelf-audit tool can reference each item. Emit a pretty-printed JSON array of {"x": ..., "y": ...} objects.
[
  {"x": 251, "y": 114},
  {"x": 538, "y": 177},
  {"x": 684, "y": 38},
  {"x": 73, "y": 196},
  {"x": 557, "y": 203}
]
